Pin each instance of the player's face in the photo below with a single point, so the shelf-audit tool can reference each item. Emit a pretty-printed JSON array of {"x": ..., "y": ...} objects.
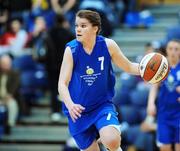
[
  {"x": 173, "y": 51},
  {"x": 84, "y": 29}
]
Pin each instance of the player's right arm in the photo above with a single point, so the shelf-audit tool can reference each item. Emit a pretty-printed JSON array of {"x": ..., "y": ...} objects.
[
  {"x": 151, "y": 107},
  {"x": 75, "y": 110}
]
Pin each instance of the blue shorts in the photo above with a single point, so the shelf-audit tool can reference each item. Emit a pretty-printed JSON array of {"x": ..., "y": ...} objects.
[
  {"x": 168, "y": 134},
  {"x": 86, "y": 138}
]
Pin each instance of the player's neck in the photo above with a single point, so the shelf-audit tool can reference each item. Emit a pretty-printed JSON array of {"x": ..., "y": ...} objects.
[{"x": 89, "y": 45}]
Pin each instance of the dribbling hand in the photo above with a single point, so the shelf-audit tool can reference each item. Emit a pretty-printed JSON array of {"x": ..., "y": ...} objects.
[{"x": 75, "y": 111}]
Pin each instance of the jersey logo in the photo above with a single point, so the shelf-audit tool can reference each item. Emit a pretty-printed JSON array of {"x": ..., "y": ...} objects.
[
  {"x": 90, "y": 77},
  {"x": 171, "y": 83},
  {"x": 89, "y": 70}
]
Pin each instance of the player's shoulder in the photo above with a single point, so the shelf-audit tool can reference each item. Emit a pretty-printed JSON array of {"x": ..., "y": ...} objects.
[
  {"x": 110, "y": 42},
  {"x": 111, "y": 45},
  {"x": 101, "y": 38},
  {"x": 72, "y": 45}
]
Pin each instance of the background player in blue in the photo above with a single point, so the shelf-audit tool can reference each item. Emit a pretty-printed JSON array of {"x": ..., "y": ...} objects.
[
  {"x": 86, "y": 84},
  {"x": 168, "y": 103}
]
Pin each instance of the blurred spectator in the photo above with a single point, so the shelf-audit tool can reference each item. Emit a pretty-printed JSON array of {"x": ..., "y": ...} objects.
[
  {"x": 67, "y": 8},
  {"x": 37, "y": 37},
  {"x": 40, "y": 4},
  {"x": 57, "y": 38},
  {"x": 62, "y": 6},
  {"x": 131, "y": 5},
  {"x": 9, "y": 84},
  {"x": 19, "y": 9},
  {"x": 148, "y": 48},
  {"x": 41, "y": 8},
  {"x": 4, "y": 14},
  {"x": 118, "y": 8},
  {"x": 14, "y": 40}
]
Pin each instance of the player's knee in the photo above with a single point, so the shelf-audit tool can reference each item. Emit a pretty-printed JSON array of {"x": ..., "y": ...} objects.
[
  {"x": 166, "y": 148},
  {"x": 112, "y": 143}
]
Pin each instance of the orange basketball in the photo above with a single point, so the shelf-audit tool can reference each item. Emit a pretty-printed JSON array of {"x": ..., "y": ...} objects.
[{"x": 154, "y": 67}]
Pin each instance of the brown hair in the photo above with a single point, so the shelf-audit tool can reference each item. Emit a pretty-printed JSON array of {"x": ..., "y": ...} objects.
[{"x": 92, "y": 16}]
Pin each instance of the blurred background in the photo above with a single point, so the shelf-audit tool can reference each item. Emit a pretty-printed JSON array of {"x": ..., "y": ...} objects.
[{"x": 33, "y": 34}]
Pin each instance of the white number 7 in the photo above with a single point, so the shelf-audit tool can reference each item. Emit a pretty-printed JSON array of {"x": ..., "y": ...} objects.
[{"x": 102, "y": 62}]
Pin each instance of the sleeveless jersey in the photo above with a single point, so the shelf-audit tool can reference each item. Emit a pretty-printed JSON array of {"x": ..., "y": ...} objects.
[
  {"x": 168, "y": 106},
  {"x": 92, "y": 82}
]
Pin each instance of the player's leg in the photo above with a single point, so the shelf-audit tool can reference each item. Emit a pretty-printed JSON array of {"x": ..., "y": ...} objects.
[
  {"x": 110, "y": 138},
  {"x": 167, "y": 147},
  {"x": 86, "y": 140},
  {"x": 109, "y": 130},
  {"x": 177, "y": 147}
]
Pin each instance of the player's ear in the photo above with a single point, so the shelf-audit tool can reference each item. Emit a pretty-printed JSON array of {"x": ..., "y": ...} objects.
[{"x": 95, "y": 29}]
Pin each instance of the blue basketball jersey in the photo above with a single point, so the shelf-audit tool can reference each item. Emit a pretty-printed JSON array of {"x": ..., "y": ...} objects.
[
  {"x": 168, "y": 106},
  {"x": 92, "y": 82}
]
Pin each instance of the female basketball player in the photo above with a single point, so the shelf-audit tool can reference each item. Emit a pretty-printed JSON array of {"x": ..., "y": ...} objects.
[
  {"x": 86, "y": 84},
  {"x": 168, "y": 105}
]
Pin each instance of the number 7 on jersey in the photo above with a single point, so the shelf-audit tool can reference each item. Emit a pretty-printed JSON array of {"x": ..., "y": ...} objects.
[{"x": 102, "y": 62}]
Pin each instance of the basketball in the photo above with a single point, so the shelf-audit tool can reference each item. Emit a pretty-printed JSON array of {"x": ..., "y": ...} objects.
[{"x": 154, "y": 68}]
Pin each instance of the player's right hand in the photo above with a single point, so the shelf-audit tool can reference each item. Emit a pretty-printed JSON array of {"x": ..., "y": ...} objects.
[
  {"x": 75, "y": 111},
  {"x": 151, "y": 109}
]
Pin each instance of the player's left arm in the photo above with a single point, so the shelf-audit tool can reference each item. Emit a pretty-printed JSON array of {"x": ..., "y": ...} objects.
[{"x": 120, "y": 59}]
